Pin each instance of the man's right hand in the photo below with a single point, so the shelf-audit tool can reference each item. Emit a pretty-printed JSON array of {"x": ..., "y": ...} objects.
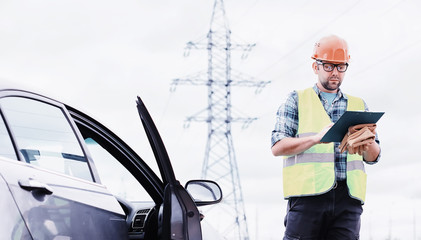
[
  {"x": 293, "y": 146},
  {"x": 320, "y": 135}
]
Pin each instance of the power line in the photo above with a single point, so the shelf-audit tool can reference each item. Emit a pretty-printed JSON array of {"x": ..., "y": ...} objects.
[
  {"x": 389, "y": 56},
  {"x": 310, "y": 38}
]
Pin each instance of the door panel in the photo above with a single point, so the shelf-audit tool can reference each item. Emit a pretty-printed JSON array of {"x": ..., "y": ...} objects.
[
  {"x": 74, "y": 209},
  {"x": 12, "y": 225}
]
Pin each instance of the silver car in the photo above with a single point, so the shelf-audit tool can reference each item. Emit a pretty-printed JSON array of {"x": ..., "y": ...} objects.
[{"x": 63, "y": 175}]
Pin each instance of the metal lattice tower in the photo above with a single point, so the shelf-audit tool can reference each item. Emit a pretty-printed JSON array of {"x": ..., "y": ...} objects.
[{"x": 220, "y": 163}]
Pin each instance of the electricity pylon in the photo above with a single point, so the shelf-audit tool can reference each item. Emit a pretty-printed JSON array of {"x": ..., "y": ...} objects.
[{"x": 220, "y": 163}]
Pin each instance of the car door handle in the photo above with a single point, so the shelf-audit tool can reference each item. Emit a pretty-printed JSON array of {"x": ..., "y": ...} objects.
[{"x": 31, "y": 184}]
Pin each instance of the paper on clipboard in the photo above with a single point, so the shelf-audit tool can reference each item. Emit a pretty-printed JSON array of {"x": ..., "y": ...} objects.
[{"x": 349, "y": 118}]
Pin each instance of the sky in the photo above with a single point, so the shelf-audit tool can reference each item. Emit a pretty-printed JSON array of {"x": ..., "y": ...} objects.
[{"x": 99, "y": 55}]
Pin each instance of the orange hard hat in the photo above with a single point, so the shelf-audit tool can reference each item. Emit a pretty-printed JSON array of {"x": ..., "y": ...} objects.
[{"x": 331, "y": 48}]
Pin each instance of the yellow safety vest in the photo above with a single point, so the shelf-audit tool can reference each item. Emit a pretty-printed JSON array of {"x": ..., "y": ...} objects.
[{"x": 313, "y": 171}]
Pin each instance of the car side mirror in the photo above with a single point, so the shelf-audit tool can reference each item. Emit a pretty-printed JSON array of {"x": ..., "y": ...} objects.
[{"x": 204, "y": 192}]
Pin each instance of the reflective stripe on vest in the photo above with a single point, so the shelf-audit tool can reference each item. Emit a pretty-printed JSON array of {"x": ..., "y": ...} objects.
[{"x": 313, "y": 171}]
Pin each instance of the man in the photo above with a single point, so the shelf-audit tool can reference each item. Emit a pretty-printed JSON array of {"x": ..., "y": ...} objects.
[{"x": 324, "y": 187}]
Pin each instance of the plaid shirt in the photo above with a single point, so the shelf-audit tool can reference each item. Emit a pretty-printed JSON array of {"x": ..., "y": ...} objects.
[{"x": 287, "y": 124}]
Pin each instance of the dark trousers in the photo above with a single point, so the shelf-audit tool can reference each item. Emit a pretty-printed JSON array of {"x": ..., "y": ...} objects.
[{"x": 330, "y": 216}]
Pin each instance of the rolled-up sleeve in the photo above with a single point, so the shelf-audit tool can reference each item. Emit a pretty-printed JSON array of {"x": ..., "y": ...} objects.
[{"x": 286, "y": 119}]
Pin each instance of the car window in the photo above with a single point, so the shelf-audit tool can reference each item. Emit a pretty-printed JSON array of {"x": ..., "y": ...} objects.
[
  {"x": 114, "y": 175},
  {"x": 44, "y": 136},
  {"x": 6, "y": 146}
]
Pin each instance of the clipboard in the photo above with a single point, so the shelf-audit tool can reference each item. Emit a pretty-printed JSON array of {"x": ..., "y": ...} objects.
[{"x": 349, "y": 118}]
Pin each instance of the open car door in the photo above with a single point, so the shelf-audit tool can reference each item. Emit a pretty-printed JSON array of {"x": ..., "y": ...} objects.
[{"x": 178, "y": 217}]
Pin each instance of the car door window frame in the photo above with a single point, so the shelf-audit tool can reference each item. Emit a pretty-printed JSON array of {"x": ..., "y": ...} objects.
[
  {"x": 121, "y": 151},
  {"x": 68, "y": 118},
  {"x": 12, "y": 154}
]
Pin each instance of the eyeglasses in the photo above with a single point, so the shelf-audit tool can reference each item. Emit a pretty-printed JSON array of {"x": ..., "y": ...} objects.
[{"x": 329, "y": 67}]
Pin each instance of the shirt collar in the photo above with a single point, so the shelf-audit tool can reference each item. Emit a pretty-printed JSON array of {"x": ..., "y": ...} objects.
[{"x": 340, "y": 94}]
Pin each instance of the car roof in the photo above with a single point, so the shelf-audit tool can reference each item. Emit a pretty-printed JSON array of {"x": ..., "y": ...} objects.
[
  {"x": 10, "y": 85},
  {"x": 42, "y": 91}
]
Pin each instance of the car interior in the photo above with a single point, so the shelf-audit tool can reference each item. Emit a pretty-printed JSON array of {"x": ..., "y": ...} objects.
[{"x": 135, "y": 192}]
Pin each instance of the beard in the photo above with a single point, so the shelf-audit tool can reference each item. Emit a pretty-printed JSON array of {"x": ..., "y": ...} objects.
[{"x": 331, "y": 86}]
